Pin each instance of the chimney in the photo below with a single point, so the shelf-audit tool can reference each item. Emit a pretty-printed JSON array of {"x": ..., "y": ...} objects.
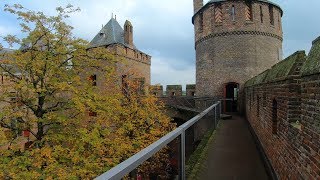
[{"x": 197, "y": 4}]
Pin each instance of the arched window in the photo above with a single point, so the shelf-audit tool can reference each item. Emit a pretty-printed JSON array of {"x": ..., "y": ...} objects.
[
  {"x": 274, "y": 116},
  {"x": 271, "y": 14},
  {"x": 233, "y": 13},
  {"x": 261, "y": 14},
  {"x": 201, "y": 22}
]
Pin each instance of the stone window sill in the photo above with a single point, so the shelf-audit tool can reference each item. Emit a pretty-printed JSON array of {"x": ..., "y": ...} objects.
[{"x": 249, "y": 22}]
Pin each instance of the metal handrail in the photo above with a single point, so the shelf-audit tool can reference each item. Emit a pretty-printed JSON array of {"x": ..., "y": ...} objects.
[{"x": 134, "y": 161}]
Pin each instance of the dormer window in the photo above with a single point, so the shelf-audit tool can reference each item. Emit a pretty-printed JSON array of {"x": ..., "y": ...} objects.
[{"x": 102, "y": 34}]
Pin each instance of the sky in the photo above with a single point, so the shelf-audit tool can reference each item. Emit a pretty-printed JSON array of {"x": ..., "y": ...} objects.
[{"x": 163, "y": 28}]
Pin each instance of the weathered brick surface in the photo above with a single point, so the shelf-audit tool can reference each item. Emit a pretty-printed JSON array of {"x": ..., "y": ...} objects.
[
  {"x": 174, "y": 90},
  {"x": 156, "y": 90},
  {"x": 132, "y": 61},
  {"x": 234, "y": 50},
  {"x": 294, "y": 152},
  {"x": 190, "y": 90}
]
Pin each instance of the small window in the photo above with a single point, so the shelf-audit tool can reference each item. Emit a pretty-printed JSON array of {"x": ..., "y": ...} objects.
[
  {"x": 261, "y": 14},
  {"x": 274, "y": 117},
  {"x": 279, "y": 25},
  {"x": 233, "y": 13},
  {"x": 125, "y": 86},
  {"x": 218, "y": 13},
  {"x": 92, "y": 113},
  {"x": 155, "y": 94},
  {"x": 271, "y": 15},
  {"x": 173, "y": 94},
  {"x": 93, "y": 79},
  {"x": 193, "y": 93},
  {"x": 2, "y": 79},
  {"x": 201, "y": 22}
]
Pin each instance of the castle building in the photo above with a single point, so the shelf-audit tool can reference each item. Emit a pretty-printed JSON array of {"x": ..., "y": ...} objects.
[
  {"x": 235, "y": 40},
  {"x": 120, "y": 43}
]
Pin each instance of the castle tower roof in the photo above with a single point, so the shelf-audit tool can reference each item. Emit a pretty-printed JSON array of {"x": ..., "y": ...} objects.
[{"x": 111, "y": 33}]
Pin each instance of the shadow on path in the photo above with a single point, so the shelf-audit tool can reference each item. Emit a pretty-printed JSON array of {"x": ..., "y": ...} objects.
[{"x": 233, "y": 155}]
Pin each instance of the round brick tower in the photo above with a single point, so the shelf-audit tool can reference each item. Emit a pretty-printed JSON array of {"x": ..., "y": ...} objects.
[{"x": 234, "y": 41}]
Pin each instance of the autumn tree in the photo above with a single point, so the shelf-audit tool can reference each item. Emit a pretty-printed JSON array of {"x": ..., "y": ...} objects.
[{"x": 75, "y": 129}]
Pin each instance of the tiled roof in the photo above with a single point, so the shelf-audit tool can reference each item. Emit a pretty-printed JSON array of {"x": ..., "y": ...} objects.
[{"x": 111, "y": 33}]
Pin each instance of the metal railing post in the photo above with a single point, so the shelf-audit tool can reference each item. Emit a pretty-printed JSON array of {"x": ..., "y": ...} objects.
[
  {"x": 125, "y": 167},
  {"x": 220, "y": 104},
  {"x": 215, "y": 117},
  {"x": 183, "y": 156}
]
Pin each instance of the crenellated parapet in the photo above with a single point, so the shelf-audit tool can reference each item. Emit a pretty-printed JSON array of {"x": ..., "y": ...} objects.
[
  {"x": 156, "y": 90},
  {"x": 219, "y": 16},
  {"x": 172, "y": 90}
]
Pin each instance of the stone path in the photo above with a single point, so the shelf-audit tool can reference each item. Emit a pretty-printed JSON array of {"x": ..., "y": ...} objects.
[{"x": 232, "y": 155}]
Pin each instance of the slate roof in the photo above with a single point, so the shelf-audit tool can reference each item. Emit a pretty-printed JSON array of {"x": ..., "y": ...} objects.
[
  {"x": 6, "y": 50},
  {"x": 111, "y": 33}
]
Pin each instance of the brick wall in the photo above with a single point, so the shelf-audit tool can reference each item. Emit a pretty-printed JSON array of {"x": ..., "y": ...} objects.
[
  {"x": 282, "y": 106},
  {"x": 191, "y": 90},
  {"x": 156, "y": 90}
]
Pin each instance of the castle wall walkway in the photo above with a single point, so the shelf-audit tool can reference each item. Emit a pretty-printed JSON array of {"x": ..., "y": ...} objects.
[{"x": 233, "y": 154}]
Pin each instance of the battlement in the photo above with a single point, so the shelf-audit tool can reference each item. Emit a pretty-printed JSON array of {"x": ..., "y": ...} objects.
[
  {"x": 132, "y": 54},
  {"x": 172, "y": 90},
  {"x": 242, "y": 17}
]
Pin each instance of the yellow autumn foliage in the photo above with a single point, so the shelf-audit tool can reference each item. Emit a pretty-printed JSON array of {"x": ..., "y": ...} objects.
[{"x": 48, "y": 95}]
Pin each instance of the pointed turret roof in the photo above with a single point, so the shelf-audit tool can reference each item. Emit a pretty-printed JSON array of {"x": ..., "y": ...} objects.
[{"x": 111, "y": 33}]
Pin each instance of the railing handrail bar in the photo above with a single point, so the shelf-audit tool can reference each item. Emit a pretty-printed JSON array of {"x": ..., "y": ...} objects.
[
  {"x": 134, "y": 161},
  {"x": 195, "y": 119}
]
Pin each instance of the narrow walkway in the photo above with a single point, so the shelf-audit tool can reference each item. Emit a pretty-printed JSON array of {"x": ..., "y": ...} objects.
[{"x": 232, "y": 155}]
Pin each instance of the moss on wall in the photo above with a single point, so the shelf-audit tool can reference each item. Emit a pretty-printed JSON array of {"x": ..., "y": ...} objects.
[
  {"x": 312, "y": 65},
  {"x": 283, "y": 68},
  {"x": 191, "y": 86},
  {"x": 280, "y": 71},
  {"x": 174, "y": 87}
]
